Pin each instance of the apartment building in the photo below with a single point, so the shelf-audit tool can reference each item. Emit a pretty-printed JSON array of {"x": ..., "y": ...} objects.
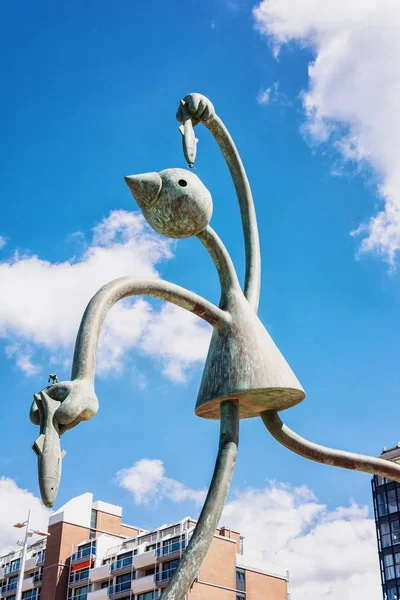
[
  {"x": 386, "y": 499},
  {"x": 91, "y": 555}
]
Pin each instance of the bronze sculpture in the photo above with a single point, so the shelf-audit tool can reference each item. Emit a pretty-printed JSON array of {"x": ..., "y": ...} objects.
[{"x": 245, "y": 375}]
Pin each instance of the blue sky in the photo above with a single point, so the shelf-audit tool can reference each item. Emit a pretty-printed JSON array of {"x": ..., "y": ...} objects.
[{"x": 90, "y": 92}]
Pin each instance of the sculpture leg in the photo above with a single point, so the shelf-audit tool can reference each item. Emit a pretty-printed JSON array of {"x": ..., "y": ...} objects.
[
  {"x": 327, "y": 456},
  {"x": 200, "y": 542}
]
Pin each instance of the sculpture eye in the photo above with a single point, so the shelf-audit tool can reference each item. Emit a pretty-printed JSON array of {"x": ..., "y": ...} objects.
[{"x": 182, "y": 183}]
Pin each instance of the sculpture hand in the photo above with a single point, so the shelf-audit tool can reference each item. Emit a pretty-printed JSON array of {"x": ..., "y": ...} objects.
[
  {"x": 78, "y": 402},
  {"x": 198, "y": 106}
]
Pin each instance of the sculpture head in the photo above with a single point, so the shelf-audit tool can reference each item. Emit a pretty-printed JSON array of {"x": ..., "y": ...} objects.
[{"x": 174, "y": 202}]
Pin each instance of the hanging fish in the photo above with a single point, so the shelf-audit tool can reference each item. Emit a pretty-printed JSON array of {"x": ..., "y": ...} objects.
[{"x": 189, "y": 140}]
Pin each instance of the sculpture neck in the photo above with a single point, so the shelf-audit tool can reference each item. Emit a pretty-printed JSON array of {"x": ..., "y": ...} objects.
[{"x": 223, "y": 262}]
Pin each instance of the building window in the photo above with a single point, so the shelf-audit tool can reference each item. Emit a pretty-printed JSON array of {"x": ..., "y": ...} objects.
[
  {"x": 79, "y": 575},
  {"x": 395, "y": 527},
  {"x": 170, "y": 564},
  {"x": 124, "y": 560},
  {"x": 104, "y": 584},
  {"x": 85, "y": 550},
  {"x": 240, "y": 580},
  {"x": 149, "y": 571},
  {"x": 240, "y": 597},
  {"x": 81, "y": 592},
  {"x": 385, "y": 534},
  {"x": 148, "y": 595},
  {"x": 150, "y": 547},
  {"x": 392, "y": 594},
  {"x": 29, "y": 595},
  {"x": 93, "y": 519},
  {"x": 382, "y": 504},
  {"x": 388, "y": 562},
  {"x": 123, "y": 583},
  {"x": 125, "y": 577}
]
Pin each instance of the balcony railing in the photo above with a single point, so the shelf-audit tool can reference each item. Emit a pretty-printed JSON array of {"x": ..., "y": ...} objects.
[
  {"x": 9, "y": 589},
  {"x": 170, "y": 548},
  {"x": 82, "y": 596},
  {"x": 37, "y": 578},
  {"x": 12, "y": 568},
  {"x": 164, "y": 576},
  {"x": 31, "y": 596},
  {"x": 82, "y": 554},
  {"x": 117, "y": 589},
  {"x": 40, "y": 558},
  {"x": 80, "y": 593},
  {"x": 123, "y": 563},
  {"x": 78, "y": 578}
]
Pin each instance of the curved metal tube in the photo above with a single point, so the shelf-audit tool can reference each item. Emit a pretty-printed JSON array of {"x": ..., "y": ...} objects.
[
  {"x": 327, "y": 456},
  {"x": 225, "y": 268},
  {"x": 247, "y": 211},
  {"x": 84, "y": 362},
  {"x": 201, "y": 539}
]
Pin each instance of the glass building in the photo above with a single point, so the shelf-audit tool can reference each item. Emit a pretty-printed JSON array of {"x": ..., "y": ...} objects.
[{"x": 386, "y": 497}]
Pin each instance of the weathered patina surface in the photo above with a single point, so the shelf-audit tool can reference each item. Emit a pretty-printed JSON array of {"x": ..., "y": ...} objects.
[{"x": 245, "y": 374}]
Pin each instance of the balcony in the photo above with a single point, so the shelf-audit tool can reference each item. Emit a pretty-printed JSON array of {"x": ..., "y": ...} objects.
[
  {"x": 32, "y": 595},
  {"x": 40, "y": 558},
  {"x": 146, "y": 559},
  {"x": 120, "y": 589},
  {"x": 124, "y": 565},
  {"x": 80, "y": 593},
  {"x": 27, "y": 584},
  {"x": 14, "y": 568},
  {"x": 37, "y": 579},
  {"x": 79, "y": 578},
  {"x": 164, "y": 577},
  {"x": 143, "y": 584},
  {"x": 170, "y": 550},
  {"x": 99, "y": 573},
  {"x": 83, "y": 555},
  {"x": 9, "y": 590},
  {"x": 30, "y": 564},
  {"x": 101, "y": 594}
]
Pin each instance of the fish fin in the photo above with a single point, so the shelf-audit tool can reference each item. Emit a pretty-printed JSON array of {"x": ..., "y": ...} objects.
[
  {"x": 182, "y": 129},
  {"x": 38, "y": 445},
  {"x": 196, "y": 140},
  {"x": 182, "y": 102},
  {"x": 63, "y": 453}
]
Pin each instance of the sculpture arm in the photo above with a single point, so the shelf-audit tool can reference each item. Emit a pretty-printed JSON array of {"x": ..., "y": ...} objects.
[
  {"x": 84, "y": 362},
  {"x": 202, "y": 110},
  {"x": 247, "y": 211},
  {"x": 78, "y": 401},
  {"x": 327, "y": 456}
]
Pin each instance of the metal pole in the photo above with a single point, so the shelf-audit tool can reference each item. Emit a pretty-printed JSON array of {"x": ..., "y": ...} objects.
[
  {"x": 203, "y": 534},
  {"x": 18, "y": 593}
]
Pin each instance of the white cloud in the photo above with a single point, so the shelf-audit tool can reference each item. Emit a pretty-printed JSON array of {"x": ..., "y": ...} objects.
[
  {"x": 264, "y": 96},
  {"x": 3, "y": 242},
  {"x": 45, "y": 302},
  {"x": 329, "y": 553},
  {"x": 14, "y": 506},
  {"x": 354, "y": 91},
  {"x": 147, "y": 482},
  {"x": 23, "y": 359},
  {"x": 178, "y": 337}
]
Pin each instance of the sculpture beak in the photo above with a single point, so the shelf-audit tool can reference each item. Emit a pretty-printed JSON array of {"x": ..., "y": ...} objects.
[{"x": 145, "y": 188}]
